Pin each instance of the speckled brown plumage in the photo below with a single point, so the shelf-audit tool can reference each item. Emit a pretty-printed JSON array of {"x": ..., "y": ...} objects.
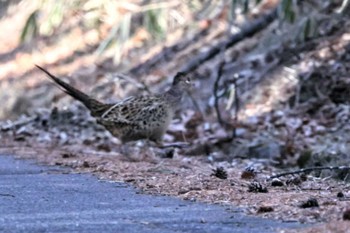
[{"x": 134, "y": 118}]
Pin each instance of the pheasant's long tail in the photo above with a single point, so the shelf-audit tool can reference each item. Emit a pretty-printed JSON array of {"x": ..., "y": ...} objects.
[{"x": 93, "y": 105}]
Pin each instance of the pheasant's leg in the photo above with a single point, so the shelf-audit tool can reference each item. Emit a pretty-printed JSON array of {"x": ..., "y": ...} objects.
[
  {"x": 159, "y": 143},
  {"x": 149, "y": 151},
  {"x": 125, "y": 150},
  {"x": 131, "y": 151}
]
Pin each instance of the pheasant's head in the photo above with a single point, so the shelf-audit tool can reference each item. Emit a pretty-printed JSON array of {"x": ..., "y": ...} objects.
[{"x": 182, "y": 81}]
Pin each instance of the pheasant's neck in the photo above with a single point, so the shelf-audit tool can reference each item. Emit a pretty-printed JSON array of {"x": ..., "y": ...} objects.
[{"x": 174, "y": 95}]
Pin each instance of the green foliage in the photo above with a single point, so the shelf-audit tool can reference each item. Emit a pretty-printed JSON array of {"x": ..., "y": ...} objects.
[
  {"x": 118, "y": 36},
  {"x": 155, "y": 22},
  {"x": 54, "y": 18},
  {"x": 50, "y": 14},
  {"x": 286, "y": 11},
  {"x": 153, "y": 16},
  {"x": 300, "y": 14},
  {"x": 157, "y": 17}
]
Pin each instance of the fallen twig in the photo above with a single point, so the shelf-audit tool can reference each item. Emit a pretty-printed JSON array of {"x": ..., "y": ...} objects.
[
  {"x": 175, "y": 145},
  {"x": 18, "y": 123},
  {"x": 310, "y": 169}
]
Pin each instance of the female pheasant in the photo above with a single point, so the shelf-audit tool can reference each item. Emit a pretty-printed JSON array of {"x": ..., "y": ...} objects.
[{"x": 134, "y": 118}]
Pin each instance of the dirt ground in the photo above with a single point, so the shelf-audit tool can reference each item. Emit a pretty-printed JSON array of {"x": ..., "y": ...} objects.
[{"x": 167, "y": 172}]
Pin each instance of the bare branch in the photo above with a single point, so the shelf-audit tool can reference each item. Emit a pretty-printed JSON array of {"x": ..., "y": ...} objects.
[
  {"x": 166, "y": 54},
  {"x": 236, "y": 102},
  {"x": 215, "y": 90},
  {"x": 138, "y": 84},
  {"x": 247, "y": 31}
]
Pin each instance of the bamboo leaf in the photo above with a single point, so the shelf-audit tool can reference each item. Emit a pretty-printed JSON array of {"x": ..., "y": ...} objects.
[
  {"x": 286, "y": 5},
  {"x": 285, "y": 9},
  {"x": 290, "y": 16},
  {"x": 245, "y": 6},
  {"x": 108, "y": 41},
  {"x": 154, "y": 21},
  {"x": 30, "y": 28},
  {"x": 122, "y": 37},
  {"x": 308, "y": 29}
]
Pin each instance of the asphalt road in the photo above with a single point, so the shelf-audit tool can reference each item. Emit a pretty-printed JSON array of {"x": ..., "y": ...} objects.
[{"x": 35, "y": 198}]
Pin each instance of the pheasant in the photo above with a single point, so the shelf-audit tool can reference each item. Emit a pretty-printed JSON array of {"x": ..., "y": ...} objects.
[{"x": 134, "y": 118}]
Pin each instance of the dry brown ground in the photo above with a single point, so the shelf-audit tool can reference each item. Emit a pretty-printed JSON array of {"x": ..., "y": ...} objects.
[{"x": 191, "y": 178}]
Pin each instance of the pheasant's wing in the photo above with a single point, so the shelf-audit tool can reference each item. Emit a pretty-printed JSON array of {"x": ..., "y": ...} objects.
[
  {"x": 137, "y": 118},
  {"x": 133, "y": 110},
  {"x": 118, "y": 112},
  {"x": 115, "y": 118},
  {"x": 152, "y": 111}
]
